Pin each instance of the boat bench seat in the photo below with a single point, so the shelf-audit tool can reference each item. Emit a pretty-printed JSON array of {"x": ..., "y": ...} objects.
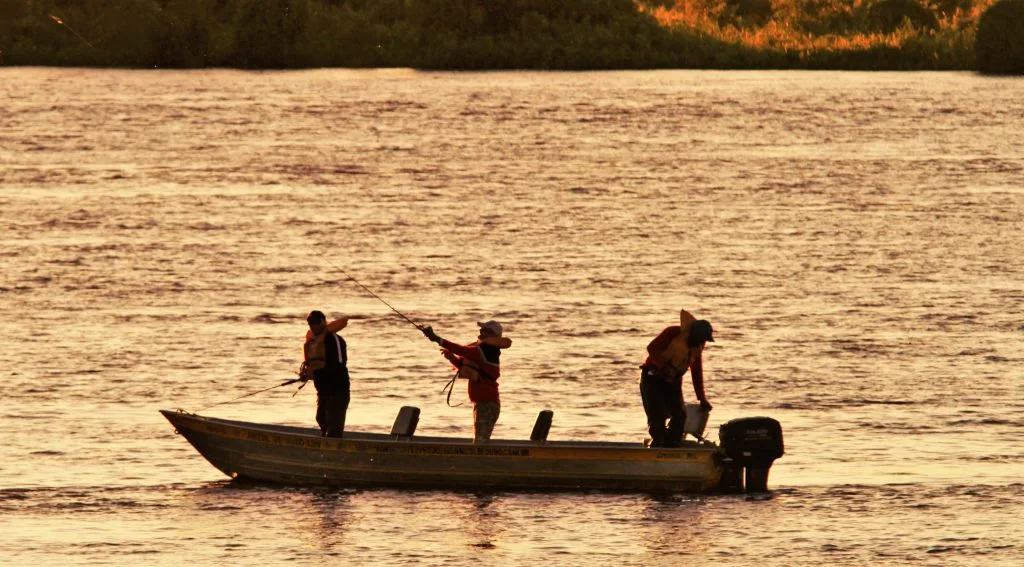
[
  {"x": 542, "y": 426},
  {"x": 406, "y": 422}
]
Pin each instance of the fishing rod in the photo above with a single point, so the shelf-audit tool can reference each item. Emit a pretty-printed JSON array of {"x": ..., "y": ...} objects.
[
  {"x": 450, "y": 385},
  {"x": 285, "y": 383},
  {"x": 369, "y": 291},
  {"x": 400, "y": 314},
  {"x": 376, "y": 133}
]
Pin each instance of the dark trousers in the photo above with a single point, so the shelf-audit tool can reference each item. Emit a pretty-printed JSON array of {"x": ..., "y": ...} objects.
[
  {"x": 330, "y": 412},
  {"x": 662, "y": 400}
]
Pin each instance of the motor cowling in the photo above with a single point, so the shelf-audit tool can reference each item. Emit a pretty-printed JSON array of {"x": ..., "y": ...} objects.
[
  {"x": 751, "y": 443},
  {"x": 752, "y": 440}
]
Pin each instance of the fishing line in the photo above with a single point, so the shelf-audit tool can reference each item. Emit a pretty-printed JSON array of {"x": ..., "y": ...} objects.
[
  {"x": 376, "y": 133},
  {"x": 369, "y": 291},
  {"x": 400, "y": 314},
  {"x": 285, "y": 383},
  {"x": 448, "y": 388},
  {"x": 70, "y": 29},
  {"x": 451, "y": 383}
]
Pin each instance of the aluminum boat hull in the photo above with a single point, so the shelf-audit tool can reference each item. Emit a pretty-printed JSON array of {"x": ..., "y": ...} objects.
[{"x": 300, "y": 456}]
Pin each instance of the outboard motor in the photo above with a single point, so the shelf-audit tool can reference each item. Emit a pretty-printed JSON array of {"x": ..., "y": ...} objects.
[{"x": 752, "y": 443}]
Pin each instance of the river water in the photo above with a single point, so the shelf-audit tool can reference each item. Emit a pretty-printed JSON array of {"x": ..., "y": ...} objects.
[{"x": 855, "y": 238}]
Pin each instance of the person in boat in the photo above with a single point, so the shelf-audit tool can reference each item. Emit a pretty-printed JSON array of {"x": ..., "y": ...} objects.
[
  {"x": 325, "y": 361},
  {"x": 674, "y": 351},
  {"x": 480, "y": 363}
]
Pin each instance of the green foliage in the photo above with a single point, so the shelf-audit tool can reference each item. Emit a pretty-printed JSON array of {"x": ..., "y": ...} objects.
[
  {"x": 747, "y": 13},
  {"x": 266, "y": 32},
  {"x": 889, "y": 15},
  {"x": 951, "y": 7},
  {"x": 822, "y": 17},
  {"x": 185, "y": 38},
  {"x": 11, "y": 10},
  {"x": 491, "y": 34},
  {"x": 1000, "y": 40},
  {"x": 461, "y": 19}
]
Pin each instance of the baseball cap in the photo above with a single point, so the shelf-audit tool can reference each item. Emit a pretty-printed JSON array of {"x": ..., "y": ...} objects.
[
  {"x": 492, "y": 326},
  {"x": 701, "y": 331}
]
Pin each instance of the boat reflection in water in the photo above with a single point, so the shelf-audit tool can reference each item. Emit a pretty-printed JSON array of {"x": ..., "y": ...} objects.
[{"x": 300, "y": 456}]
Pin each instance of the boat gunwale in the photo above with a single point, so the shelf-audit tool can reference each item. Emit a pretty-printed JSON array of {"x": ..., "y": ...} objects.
[{"x": 370, "y": 437}]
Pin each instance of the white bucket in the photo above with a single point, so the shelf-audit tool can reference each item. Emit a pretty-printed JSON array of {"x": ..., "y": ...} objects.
[{"x": 696, "y": 420}]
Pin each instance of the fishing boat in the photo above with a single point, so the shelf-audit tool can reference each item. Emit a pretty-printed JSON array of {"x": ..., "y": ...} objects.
[{"x": 291, "y": 455}]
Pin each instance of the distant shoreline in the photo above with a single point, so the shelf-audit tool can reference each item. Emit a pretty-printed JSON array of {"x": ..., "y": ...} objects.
[{"x": 491, "y": 35}]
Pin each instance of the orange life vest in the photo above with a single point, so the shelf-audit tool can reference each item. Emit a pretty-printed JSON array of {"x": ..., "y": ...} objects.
[
  {"x": 313, "y": 353},
  {"x": 679, "y": 355},
  {"x": 470, "y": 370}
]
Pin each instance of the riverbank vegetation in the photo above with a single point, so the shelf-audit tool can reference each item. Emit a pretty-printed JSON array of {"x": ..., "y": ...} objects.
[{"x": 499, "y": 34}]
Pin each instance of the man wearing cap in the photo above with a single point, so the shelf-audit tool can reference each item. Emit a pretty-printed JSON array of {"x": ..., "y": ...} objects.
[
  {"x": 326, "y": 363},
  {"x": 479, "y": 363},
  {"x": 674, "y": 351}
]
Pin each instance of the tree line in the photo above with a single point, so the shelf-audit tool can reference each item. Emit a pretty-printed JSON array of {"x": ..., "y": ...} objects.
[{"x": 500, "y": 34}]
